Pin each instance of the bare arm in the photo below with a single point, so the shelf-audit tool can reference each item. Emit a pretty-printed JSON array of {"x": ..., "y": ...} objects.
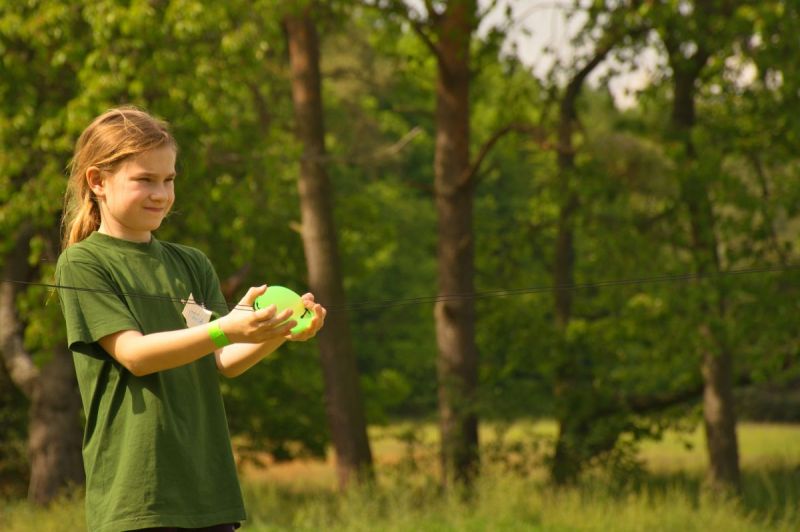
[
  {"x": 253, "y": 335},
  {"x": 260, "y": 332}
]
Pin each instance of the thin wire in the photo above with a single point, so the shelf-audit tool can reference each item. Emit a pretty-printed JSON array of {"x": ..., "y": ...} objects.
[
  {"x": 504, "y": 292},
  {"x": 159, "y": 297},
  {"x": 387, "y": 303}
]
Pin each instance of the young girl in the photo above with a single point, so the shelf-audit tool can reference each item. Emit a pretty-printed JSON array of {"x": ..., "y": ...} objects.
[{"x": 156, "y": 447}]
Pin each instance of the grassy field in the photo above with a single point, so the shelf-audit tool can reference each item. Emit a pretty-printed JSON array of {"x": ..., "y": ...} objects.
[{"x": 665, "y": 495}]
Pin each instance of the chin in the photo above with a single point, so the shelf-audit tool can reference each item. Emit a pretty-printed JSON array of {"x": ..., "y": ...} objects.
[{"x": 150, "y": 227}]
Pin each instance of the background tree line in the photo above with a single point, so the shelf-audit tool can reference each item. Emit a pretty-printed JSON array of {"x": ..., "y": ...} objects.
[{"x": 380, "y": 151}]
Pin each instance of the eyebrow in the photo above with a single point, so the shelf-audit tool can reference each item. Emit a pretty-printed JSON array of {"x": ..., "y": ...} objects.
[{"x": 153, "y": 174}]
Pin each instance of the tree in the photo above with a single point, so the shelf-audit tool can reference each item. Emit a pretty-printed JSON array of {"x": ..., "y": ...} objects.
[
  {"x": 575, "y": 444},
  {"x": 54, "y": 436},
  {"x": 689, "y": 45},
  {"x": 343, "y": 400},
  {"x": 454, "y": 188},
  {"x": 38, "y": 78}
]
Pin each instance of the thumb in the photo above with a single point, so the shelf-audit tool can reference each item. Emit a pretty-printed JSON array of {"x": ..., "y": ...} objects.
[{"x": 251, "y": 295}]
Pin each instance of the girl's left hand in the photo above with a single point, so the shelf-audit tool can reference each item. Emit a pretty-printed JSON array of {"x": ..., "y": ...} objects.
[{"x": 316, "y": 322}]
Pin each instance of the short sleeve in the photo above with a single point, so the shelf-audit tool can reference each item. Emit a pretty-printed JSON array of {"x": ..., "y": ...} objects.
[
  {"x": 92, "y": 304},
  {"x": 214, "y": 299}
]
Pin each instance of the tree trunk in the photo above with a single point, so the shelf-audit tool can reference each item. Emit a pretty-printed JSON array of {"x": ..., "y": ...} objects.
[
  {"x": 343, "y": 401},
  {"x": 573, "y": 387},
  {"x": 719, "y": 419},
  {"x": 54, "y": 431},
  {"x": 457, "y": 363},
  {"x": 572, "y": 428},
  {"x": 54, "y": 438},
  {"x": 717, "y": 361}
]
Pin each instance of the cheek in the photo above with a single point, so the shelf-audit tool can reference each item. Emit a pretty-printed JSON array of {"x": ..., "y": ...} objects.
[{"x": 170, "y": 197}]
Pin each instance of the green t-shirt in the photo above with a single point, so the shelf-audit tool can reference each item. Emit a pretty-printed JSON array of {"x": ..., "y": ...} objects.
[{"x": 156, "y": 449}]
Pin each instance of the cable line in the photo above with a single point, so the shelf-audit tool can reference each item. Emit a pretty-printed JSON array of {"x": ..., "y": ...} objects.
[
  {"x": 387, "y": 303},
  {"x": 503, "y": 292}
]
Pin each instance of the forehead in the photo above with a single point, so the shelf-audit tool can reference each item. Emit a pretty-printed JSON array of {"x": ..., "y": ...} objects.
[{"x": 156, "y": 161}]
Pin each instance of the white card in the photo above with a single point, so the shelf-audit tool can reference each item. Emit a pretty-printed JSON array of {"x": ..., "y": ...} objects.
[{"x": 195, "y": 314}]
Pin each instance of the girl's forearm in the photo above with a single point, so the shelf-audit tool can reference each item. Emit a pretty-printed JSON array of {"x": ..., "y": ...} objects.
[
  {"x": 261, "y": 332},
  {"x": 235, "y": 359},
  {"x": 145, "y": 354}
]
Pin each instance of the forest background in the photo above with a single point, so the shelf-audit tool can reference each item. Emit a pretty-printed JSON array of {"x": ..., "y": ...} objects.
[{"x": 493, "y": 242}]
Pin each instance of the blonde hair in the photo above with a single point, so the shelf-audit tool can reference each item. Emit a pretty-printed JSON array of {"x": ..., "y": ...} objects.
[{"x": 110, "y": 139}]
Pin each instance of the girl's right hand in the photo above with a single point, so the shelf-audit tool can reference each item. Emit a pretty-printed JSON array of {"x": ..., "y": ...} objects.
[{"x": 255, "y": 327}]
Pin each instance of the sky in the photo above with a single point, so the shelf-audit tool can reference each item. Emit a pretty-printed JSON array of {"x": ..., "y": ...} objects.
[{"x": 548, "y": 26}]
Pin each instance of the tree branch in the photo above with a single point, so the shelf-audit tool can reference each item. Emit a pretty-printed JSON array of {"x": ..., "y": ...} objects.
[
  {"x": 18, "y": 362},
  {"x": 654, "y": 403},
  {"x": 420, "y": 27},
  {"x": 537, "y": 133},
  {"x": 432, "y": 13}
]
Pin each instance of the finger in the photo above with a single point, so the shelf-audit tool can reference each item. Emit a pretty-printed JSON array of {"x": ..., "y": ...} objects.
[
  {"x": 288, "y": 326},
  {"x": 251, "y": 295},
  {"x": 317, "y": 322},
  {"x": 283, "y": 316},
  {"x": 274, "y": 330},
  {"x": 309, "y": 334},
  {"x": 299, "y": 337},
  {"x": 320, "y": 312},
  {"x": 277, "y": 323},
  {"x": 266, "y": 313}
]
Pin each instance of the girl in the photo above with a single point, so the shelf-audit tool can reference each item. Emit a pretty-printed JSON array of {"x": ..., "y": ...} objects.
[{"x": 156, "y": 447}]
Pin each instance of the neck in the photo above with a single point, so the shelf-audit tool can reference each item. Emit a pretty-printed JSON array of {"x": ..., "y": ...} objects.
[{"x": 121, "y": 233}]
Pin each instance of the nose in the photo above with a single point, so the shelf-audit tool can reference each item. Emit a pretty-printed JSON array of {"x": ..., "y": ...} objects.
[{"x": 160, "y": 193}]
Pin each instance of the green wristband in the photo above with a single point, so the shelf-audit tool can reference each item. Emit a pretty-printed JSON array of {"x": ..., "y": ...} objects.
[{"x": 217, "y": 335}]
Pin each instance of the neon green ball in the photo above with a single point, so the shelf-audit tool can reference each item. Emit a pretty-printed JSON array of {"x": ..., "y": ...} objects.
[{"x": 284, "y": 298}]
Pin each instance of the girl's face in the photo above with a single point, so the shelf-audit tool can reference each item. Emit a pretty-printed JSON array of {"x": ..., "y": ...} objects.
[{"x": 136, "y": 197}]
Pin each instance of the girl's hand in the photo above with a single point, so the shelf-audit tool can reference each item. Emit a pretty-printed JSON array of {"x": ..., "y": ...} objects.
[
  {"x": 316, "y": 322},
  {"x": 256, "y": 327}
]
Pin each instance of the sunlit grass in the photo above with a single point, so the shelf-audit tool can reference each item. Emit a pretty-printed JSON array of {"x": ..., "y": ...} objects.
[
  {"x": 760, "y": 444},
  {"x": 507, "y": 503},
  {"x": 64, "y": 514},
  {"x": 512, "y": 493}
]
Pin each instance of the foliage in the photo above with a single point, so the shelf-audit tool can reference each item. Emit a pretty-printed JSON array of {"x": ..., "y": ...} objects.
[
  {"x": 13, "y": 457},
  {"x": 217, "y": 72}
]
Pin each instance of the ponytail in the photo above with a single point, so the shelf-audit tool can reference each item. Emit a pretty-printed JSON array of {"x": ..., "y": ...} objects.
[
  {"x": 82, "y": 218},
  {"x": 110, "y": 139}
]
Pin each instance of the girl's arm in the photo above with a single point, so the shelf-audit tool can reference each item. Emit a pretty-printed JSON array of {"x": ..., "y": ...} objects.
[
  {"x": 145, "y": 354},
  {"x": 235, "y": 359}
]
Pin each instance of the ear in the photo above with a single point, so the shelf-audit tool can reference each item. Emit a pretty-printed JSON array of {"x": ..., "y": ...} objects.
[{"x": 94, "y": 177}]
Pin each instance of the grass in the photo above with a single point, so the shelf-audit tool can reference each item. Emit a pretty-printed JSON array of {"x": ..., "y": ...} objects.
[
  {"x": 512, "y": 493},
  {"x": 507, "y": 503}
]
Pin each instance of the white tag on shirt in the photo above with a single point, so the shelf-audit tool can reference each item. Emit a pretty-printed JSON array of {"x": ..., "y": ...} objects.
[{"x": 195, "y": 314}]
